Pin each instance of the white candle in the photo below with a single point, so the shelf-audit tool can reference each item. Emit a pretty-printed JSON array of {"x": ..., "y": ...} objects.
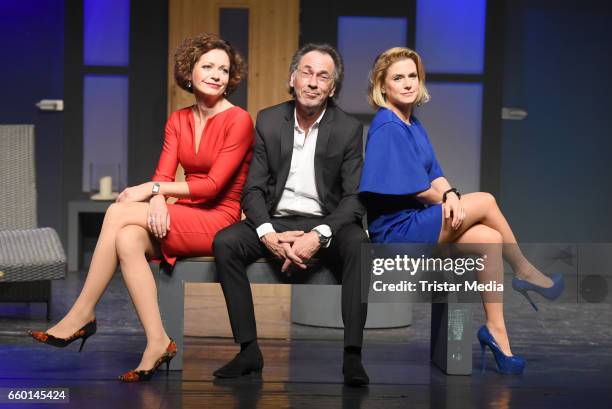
[{"x": 106, "y": 185}]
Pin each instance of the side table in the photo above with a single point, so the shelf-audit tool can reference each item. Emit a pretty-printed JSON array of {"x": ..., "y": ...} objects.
[{"x": 76, "y": 209}]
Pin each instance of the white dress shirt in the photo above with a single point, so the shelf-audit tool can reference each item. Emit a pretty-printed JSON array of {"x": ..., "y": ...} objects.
[{"x": 300, "y": 197}]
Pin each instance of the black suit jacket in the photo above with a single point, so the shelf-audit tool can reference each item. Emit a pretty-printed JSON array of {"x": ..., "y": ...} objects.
[{"x": 338, "y": 161}]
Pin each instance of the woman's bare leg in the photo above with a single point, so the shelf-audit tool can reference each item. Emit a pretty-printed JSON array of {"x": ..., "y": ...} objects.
[
  {"x": 133, "y": 242},
  {"x": 103, "y": 266},
  {"x": 482, "y": 239},
  {"x": 482, "y": 208}
]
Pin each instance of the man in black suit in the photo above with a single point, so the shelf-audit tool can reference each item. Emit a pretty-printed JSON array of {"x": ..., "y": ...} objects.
[{"x": 300, "y": 199}]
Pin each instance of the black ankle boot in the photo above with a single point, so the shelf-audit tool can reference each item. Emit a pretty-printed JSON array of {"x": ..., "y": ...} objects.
[
  {"x": 248, "y": 360},
  {"x": 352, "y": 368}
]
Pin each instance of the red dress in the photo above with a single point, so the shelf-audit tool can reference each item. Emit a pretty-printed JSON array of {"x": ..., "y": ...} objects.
[{"x": 215, "y": 176}]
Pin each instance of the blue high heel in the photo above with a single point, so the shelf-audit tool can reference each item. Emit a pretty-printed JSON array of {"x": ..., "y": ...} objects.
[
  {"x": 550, "y": 293},
  {"x": 508, "y": 365}
]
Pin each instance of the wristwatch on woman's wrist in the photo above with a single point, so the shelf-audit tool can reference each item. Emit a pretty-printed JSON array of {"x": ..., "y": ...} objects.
[{"x": 453, "y": 190}]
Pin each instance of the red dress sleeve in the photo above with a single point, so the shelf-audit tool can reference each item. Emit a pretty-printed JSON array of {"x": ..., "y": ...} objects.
[
  {"x": 168, "y": 160},
  {"x": 237, "y": 144}
]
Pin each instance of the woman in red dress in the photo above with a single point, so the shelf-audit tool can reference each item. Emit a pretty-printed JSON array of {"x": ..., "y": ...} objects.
[{"x": 212, "y": 140}]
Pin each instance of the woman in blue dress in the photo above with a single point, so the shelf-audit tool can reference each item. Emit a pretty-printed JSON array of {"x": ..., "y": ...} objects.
[{"x": 409, "y": 200}]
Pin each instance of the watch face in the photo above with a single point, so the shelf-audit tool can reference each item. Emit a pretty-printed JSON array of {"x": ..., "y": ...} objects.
[{"x": 323, "y": 240}]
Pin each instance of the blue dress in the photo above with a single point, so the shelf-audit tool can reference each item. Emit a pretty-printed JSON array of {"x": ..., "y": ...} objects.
[{"x": 399, "y": 163}]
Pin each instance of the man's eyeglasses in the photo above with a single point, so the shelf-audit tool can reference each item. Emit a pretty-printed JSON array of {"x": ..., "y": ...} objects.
[{"x": 321, "y": 78}]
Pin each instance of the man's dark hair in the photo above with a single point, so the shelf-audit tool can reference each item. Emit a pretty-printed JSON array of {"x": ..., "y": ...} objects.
[{"x": 325, "y": 49}]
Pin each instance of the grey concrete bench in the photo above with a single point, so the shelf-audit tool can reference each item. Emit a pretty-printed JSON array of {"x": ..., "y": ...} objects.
[{"x": 451, "y": 324}]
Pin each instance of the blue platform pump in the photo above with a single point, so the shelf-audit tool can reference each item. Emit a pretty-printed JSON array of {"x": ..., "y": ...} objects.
[
  {"x": 507, "y": 365},
  {"x": 550, "y": 293}
]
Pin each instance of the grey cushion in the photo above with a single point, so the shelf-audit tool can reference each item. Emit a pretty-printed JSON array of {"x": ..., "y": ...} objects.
[{"x": 31, "y": 255}]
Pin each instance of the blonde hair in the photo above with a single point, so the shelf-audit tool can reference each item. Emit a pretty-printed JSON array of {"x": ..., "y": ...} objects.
[{"x": 376, "y": 98}]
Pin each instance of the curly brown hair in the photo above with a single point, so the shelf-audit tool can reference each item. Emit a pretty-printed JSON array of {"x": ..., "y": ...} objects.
[{"x": 190, "y": 51}]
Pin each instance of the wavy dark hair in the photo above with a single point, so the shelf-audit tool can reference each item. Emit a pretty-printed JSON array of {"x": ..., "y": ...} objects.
[{"x": 192, "y": 48}]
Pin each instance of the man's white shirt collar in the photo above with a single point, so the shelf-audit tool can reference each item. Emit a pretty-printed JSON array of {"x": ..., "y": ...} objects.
[{"x": 296, "y": 125}]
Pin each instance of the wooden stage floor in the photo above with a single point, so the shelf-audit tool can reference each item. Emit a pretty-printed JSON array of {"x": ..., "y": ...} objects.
[{"x": 568, "y": 350}]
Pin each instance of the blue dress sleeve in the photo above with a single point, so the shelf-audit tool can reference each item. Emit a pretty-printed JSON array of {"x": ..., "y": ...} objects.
[
  {"x": 391, "y": 164},
  {"x": 435, "y": 170}
]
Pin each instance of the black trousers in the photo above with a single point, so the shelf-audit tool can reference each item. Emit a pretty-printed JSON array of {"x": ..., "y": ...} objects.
[{"x": 237, "y": 246}]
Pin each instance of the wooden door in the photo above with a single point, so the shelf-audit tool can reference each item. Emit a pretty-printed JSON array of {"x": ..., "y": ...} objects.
[{"x": 272, "y": 39}]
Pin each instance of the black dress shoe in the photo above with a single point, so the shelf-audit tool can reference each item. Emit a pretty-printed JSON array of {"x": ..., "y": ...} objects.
[
  {"x": 353, "y": 371},
  {"x": 245, "y": 362}
]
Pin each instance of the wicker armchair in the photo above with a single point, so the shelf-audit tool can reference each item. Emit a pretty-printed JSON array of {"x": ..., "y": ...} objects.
[{"x": 29, "y": 256}]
